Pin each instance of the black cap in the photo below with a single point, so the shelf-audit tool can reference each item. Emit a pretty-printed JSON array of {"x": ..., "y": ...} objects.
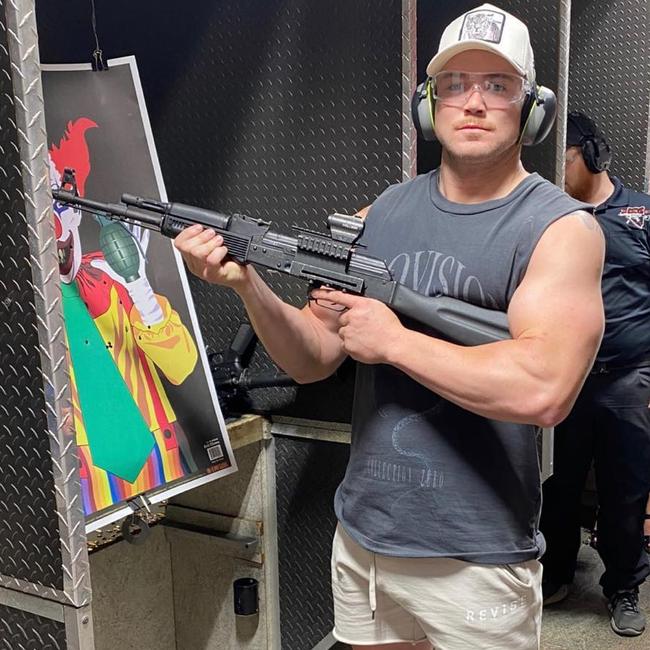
[{"x": 580, "y": 127}]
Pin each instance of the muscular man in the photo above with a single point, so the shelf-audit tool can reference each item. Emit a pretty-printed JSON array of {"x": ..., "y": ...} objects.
[
  {"x": 437, "y": 539},
  {"x": 610, "y": 423}
]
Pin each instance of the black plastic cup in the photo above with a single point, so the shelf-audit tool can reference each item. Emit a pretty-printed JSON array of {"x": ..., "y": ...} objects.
[{"x": 246, "y": 591}]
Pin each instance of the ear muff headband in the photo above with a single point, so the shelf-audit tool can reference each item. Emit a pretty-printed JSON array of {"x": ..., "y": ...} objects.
[{"x": 537, "y": 115}]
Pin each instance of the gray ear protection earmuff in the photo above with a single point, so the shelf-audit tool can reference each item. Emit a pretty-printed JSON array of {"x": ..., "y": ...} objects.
[
  {"x": 537, "y": 114},
  {"x": 595, "y": 151},
  {"x": 423, "y": 111}
]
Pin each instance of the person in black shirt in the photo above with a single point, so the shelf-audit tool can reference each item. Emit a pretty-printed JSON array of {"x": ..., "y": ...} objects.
[{"x": 610, "y": 422}]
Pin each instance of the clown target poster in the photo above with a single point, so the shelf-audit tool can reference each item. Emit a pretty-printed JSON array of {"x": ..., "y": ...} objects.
[{"x": 145, "y": 411}]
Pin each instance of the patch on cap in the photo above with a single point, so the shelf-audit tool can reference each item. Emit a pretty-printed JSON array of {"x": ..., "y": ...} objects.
[{"x": 482, "y": 26}]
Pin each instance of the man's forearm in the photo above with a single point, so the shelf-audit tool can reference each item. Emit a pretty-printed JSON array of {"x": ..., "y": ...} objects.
[
  {"x": 502, "y": 381},
  {"x": 292, "y": 337}
]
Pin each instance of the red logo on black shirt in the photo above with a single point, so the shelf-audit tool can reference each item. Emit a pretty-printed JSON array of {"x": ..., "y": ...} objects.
[{"x": 635, "y": 217}]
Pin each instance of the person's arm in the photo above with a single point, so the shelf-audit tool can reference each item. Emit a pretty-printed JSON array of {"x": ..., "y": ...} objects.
[
  {"x": 303, "y": 342},
  {"x": 556, "y": 321}
]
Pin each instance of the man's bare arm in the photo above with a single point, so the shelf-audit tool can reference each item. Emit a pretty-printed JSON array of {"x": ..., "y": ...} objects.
[
  {"x": 303, "y": 342},
  {"x": 556, "y": 320}
]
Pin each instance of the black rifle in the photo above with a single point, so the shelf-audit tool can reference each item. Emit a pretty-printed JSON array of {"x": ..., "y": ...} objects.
[{"x": 324, "y": 260}]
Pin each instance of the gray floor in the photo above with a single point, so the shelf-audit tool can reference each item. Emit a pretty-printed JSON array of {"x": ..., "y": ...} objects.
[{"x": 581, "y": 622}]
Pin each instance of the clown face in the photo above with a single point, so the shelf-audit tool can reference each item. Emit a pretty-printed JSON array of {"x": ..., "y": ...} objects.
[{"x": 66, "y": 227}]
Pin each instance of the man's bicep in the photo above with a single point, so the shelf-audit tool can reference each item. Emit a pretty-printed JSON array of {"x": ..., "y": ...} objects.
[{"x": 559, "y": 300}]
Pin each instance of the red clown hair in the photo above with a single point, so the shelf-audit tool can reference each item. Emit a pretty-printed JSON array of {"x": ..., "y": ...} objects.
[{"x": 73, "y": 151}]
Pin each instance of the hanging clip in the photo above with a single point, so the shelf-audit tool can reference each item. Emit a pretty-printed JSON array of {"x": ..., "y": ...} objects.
[
  {"x": 135, "y": 529},
  {"x": 98, "y": 62}
]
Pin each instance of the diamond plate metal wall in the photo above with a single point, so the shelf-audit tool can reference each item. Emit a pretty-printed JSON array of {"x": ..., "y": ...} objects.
[
  {"x": 309, "y": 471},
  {"x": 282, "y": 109},
  {"x": 24, "y": 631},
  {"x": 30, "y": 549},
  {"x": 285, "y": 110},
  {"x": 543, "y": 23},
  {"x": 307, "y": 475},
  {"x": 312, "y": 124},
  {"x": 42, "y": 540},
  {"x": 609, "y": 77}
]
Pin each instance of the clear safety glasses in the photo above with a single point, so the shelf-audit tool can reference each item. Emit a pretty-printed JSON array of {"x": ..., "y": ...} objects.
[{"x": 498, "y": 89}]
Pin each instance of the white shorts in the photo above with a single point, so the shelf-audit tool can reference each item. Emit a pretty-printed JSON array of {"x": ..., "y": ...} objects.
[{"x": 456, "y": 605}]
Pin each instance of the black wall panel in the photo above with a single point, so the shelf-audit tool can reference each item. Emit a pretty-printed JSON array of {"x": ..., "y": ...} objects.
[
  {"x": 609, "y": 78},
  {"x": 24, "y": 631},
  {"x": 285, "y": 110},
  {"x": 307, "y": 475}
]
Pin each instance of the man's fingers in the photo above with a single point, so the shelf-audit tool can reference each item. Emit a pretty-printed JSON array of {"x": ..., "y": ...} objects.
[
  {"x": 201, "y": 253},
  {"x": 192, "y": 230},
  {"x": 216, "y": 256},
  {"x": 195, "y": 236},
  {"x": 338, "y": 297},
  {"x": 187, "y": 234}
]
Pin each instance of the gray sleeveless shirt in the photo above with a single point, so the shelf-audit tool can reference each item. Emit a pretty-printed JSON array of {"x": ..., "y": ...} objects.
[{"x": 427, "y": 478}]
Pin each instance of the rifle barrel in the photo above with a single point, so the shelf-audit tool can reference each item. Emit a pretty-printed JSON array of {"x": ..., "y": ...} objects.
[{"x": 146, "y": 219}]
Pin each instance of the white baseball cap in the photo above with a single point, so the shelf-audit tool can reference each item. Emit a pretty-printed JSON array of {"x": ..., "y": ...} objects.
[{"x": 487, "y": 28}]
